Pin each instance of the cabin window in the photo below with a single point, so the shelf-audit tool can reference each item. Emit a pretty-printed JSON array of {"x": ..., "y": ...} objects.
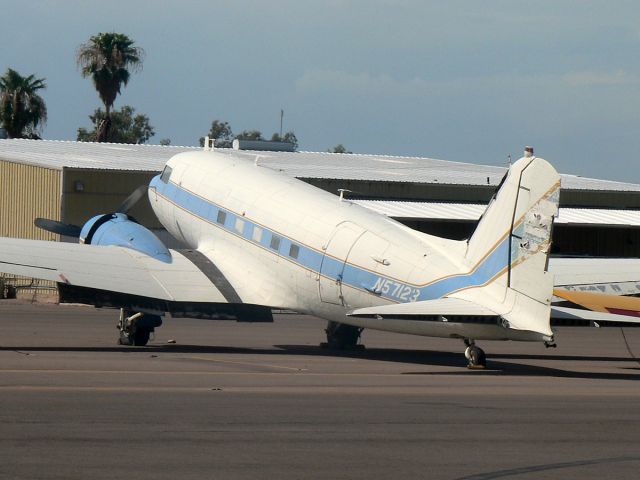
[
  {"x": 275, "y": 242},
  {"x": 294, "y": 250},
  {"x": 222, "y": 217},
  {"x": 239, "y": 225},
  {"x": 166, "y": 174},
  {"x": 256, "y": 236}
]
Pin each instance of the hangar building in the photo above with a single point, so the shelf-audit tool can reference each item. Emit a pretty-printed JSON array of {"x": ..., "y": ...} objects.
[{"x": 73, "y": 181}]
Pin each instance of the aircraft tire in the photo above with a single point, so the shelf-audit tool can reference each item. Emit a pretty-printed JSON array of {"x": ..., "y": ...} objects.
[
  {"x": 141, "y": 337},
  {"x": 342, "y": 337},
  {"x": 476, "y": 356}
]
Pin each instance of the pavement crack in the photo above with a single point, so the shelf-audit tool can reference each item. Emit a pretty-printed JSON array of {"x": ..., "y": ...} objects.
[{"x": 512, "y": 472}]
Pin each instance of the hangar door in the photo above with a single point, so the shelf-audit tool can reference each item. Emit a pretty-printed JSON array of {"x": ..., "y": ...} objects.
[{"x": 336, "y": 251}]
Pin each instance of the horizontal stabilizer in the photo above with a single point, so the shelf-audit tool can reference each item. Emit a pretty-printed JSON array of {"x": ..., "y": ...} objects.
[
  {"x": 453, "y": 307},
  {"x": 565, "y": 313}
]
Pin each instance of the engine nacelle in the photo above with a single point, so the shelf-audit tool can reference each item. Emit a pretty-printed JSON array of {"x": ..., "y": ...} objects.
[{"x": 121, "y": 230}]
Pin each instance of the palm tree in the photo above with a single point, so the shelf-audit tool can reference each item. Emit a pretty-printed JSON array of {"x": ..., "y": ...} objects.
[
  {"x": 22, "y": 110},
  {"x": 106, "y": 58}
]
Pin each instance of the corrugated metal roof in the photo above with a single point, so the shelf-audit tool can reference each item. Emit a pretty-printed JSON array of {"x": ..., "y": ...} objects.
[
  {"x": 382, "y": 168},
  {"x": 599, "y": 216},
  {"x": 426, "y": 210},
  {"x": 472, "y": 211},
  {"x": 102, "y": 156}
]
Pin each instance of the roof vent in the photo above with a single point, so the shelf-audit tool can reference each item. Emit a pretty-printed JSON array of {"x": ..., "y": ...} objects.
[
  {"x": 209, "y": 143},
  {"x": 263, "y": 145}
]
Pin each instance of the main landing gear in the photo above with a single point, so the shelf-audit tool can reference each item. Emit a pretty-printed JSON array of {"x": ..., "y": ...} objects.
[
  {"x": 342, "y": 337},
  {"x": 475, "y": 355},
  {"x": 135, "y": 329}
]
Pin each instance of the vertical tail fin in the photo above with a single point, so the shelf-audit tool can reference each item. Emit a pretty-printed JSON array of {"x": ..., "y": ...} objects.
[{"x": 515, "y": 231}]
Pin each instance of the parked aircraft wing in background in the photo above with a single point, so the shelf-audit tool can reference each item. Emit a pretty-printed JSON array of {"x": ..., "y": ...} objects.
[
  {"x": 601, "y": 302},
  {"x": 573, "y": 314}
]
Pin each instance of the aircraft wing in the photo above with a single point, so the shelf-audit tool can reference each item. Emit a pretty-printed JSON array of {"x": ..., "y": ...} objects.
[
  {"x": 117, "y": 276},
  {"x": 601, "y": 302}
]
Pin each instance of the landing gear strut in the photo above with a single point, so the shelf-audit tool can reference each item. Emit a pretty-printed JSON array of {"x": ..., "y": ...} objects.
[
  {"x": 135, "y": 329},
  {"x": 475, "y": 355},
  {"x": 342, "y": 337}
]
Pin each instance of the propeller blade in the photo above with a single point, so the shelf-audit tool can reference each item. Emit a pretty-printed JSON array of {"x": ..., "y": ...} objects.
[
  {"x": 54, "y": 226},
  {"x": 132, "y": 199}
]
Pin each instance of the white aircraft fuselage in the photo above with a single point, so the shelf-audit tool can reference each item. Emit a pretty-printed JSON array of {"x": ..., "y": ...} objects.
[{"x": 282, "y": 242}]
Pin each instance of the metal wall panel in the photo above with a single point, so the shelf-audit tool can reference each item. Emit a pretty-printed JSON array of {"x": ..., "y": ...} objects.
[
  {"x": 87, "y": 193},
  {"x": 27, "y": 192}
]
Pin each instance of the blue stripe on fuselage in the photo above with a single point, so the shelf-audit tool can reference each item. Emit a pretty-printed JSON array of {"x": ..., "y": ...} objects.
[{"x": 316, "y": 261}]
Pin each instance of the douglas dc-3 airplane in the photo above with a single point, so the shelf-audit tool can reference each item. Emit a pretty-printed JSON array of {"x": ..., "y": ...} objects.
[{"x": 259, "y": 240}]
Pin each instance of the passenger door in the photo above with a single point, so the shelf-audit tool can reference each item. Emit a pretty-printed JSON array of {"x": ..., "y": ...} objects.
[{"x": 336, "y": 252}]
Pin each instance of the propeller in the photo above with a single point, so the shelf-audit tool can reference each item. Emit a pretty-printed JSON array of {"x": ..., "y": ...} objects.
[
  {"x": 132, "y": 199},
  {"x": 60, "y": 228},
  {"x": 71, "y": 230}
]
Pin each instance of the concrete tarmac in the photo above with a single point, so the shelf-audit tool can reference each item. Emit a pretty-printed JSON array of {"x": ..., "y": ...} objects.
[{"x": 263, "y": 401}]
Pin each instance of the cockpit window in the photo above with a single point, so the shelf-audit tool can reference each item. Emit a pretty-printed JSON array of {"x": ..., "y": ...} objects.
[{"x": 166, "y": 174}]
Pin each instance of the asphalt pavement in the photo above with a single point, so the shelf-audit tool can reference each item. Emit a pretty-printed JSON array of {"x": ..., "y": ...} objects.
[{"x": 262, "y": 401}]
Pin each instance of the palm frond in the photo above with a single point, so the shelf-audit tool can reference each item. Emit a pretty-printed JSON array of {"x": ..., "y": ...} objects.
[
  {"x": 108, "y": 59},
  {"x": 22, "y": 110}
]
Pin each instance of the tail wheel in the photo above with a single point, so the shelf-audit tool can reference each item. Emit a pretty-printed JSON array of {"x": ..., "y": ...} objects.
[{"x": 476, "y": 357}]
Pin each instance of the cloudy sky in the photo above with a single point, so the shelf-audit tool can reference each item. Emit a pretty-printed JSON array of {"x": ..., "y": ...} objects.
[{"x": 471, "y": 81}]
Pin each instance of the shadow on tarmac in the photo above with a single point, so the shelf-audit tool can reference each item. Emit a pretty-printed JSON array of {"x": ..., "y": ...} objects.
[{"x": 497, "y": 364}]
